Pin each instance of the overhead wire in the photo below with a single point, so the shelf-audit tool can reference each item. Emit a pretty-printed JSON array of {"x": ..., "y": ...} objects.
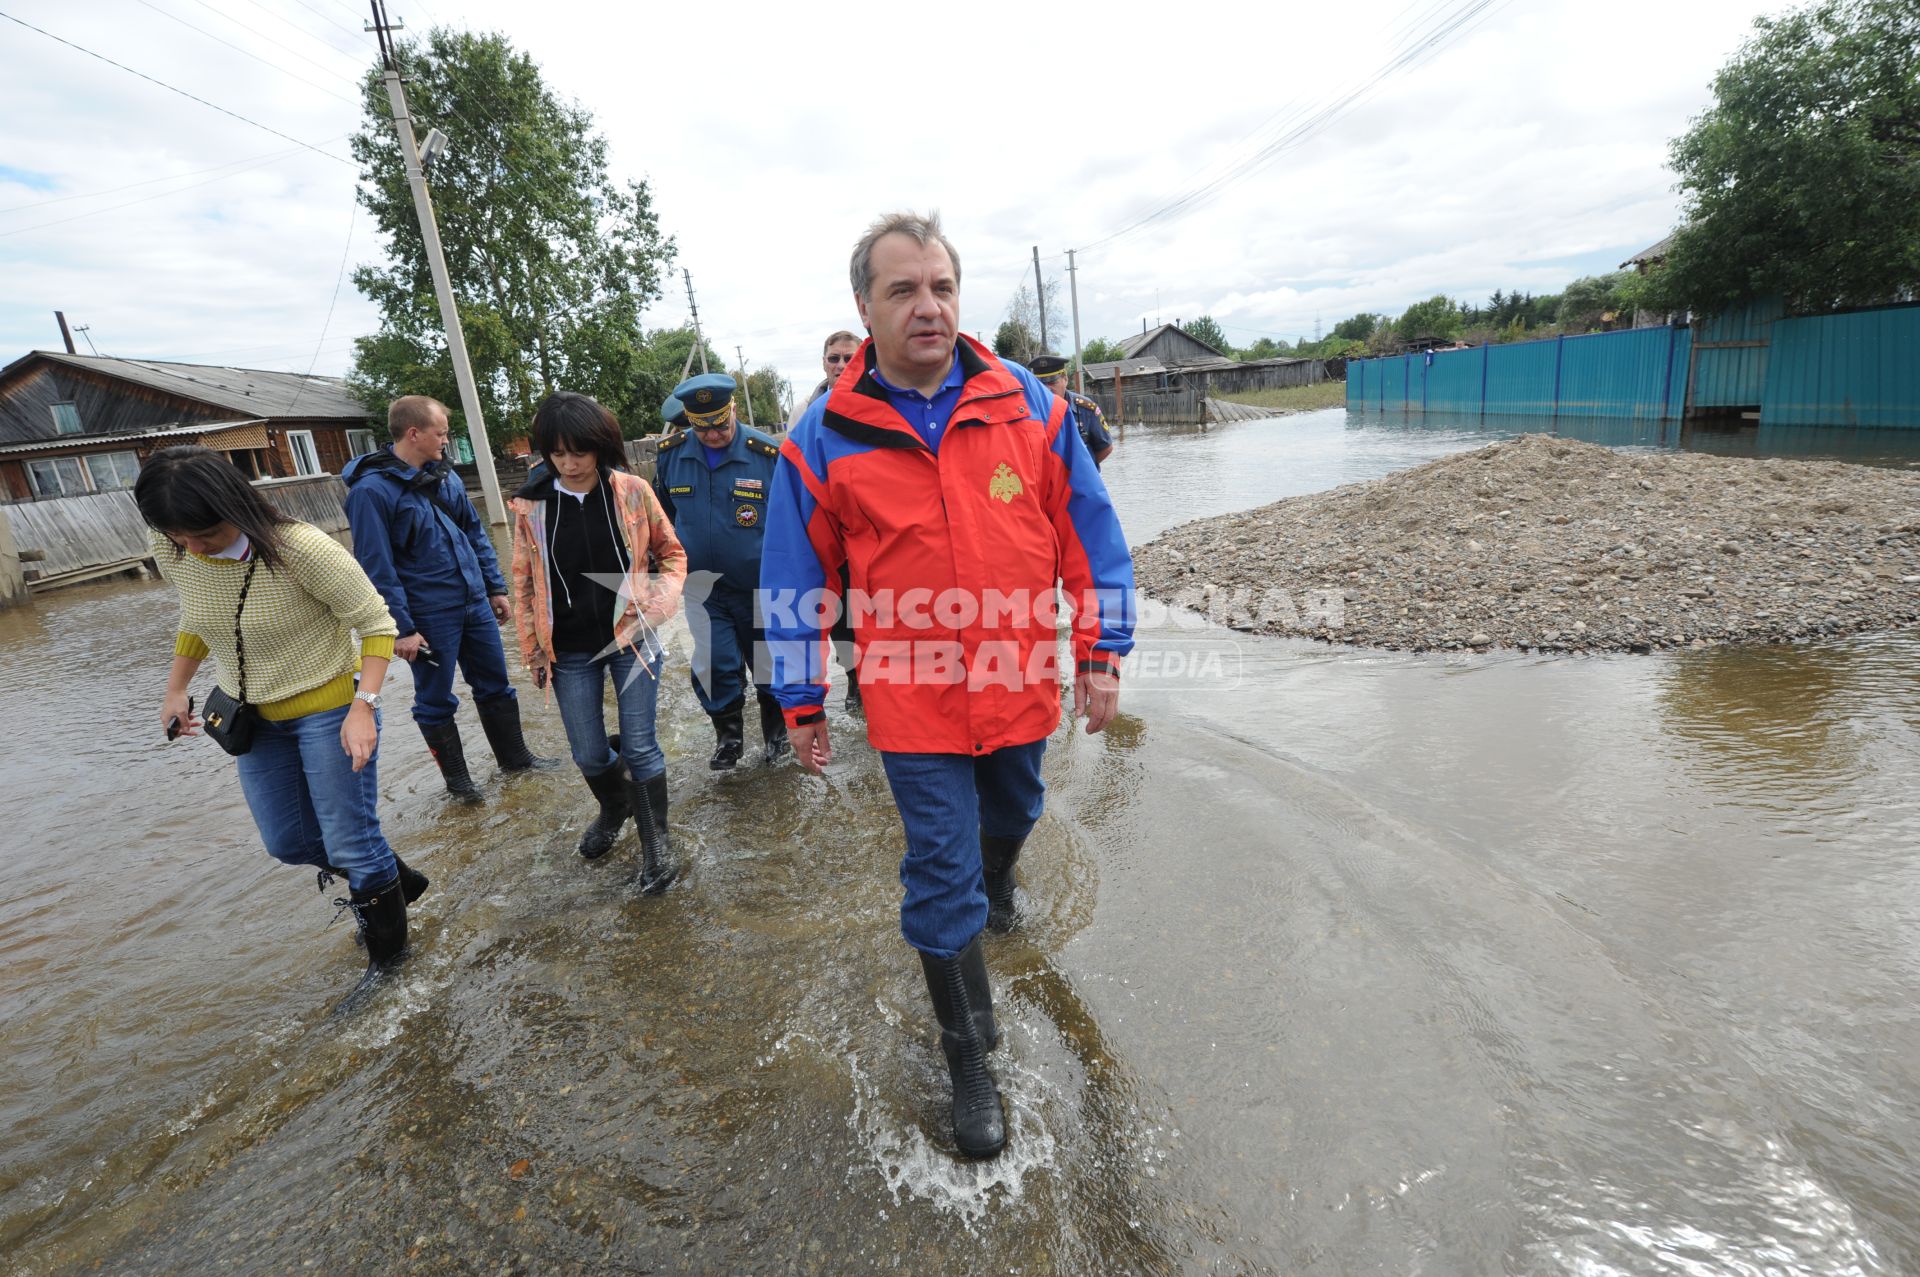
[
  {"x": 170, "y": 177},
  {"x": 258, "y": 34},
  {"x": 243, "y": 52},
  {"x": 175, "y": 89}
]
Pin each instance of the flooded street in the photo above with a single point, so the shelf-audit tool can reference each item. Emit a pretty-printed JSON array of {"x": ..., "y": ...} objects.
[{"x": 1335, "y": 962}]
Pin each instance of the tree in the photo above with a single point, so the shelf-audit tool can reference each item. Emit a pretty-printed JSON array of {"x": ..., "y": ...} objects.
[
  {"x": 663, "y": 359},
  {"x": 552, "y": 262},
  {"x": 1013, "y": 340},
  {"x": 1101, "y": 351},
  {"x": 1360, "y": 327},
  {"x": 1435, "y": 317},
  {"x": 1208, "y": 330},
  {"x": 1265, "y": 348},
  {"x": 1024, "y": 312},
  {"x": 1803, "y": 178},
  {"x": 1589, "y": 301},
  {"x": 770, "y": 392}
]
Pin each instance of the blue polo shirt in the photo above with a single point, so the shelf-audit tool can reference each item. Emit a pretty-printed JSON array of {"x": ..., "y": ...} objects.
[{"x": 928, "y": 417}]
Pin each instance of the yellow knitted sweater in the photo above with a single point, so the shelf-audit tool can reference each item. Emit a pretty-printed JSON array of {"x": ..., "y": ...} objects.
[{"x": 299, "y": 621}]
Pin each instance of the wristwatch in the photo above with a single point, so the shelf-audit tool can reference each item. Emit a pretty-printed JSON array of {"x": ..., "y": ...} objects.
[{"x": 371, "y": 698}]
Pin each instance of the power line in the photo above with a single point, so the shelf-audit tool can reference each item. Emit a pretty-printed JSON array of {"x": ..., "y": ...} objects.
[
  {"x": 345, "y": 253},
  {"x": 243, "y": 52},
  {"x": 261, "y": 35},
  {"x": 172, "y": 89},
  {"x": 324, "y": 18},
  {"x": 290, "y": 24},
  {"x": 171, "y": 177}
]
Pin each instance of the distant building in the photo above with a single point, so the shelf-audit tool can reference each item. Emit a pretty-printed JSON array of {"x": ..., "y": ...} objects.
[{"x": 71, "y": 424}]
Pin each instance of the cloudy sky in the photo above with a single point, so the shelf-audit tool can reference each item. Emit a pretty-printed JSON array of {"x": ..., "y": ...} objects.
[{"x": 1523, "y": 147}]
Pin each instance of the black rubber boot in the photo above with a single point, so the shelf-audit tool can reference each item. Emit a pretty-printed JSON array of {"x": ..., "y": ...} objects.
[
  {"x": 996, "y": 868},
  {"x": 413, "y": 883},
  {"x": 443, "y": 739},
  {"x": 729, "y": 728},
  {"x": 773, "y": 728},
  {"x": 500, "y": 720},
  {"x": 609, "y": 788},
  {"x": 647, "y": 799},
  {"x": 853, "y": 692},
  {"x": 962, "y": 998},
  {"x": 382, "y": 916}
]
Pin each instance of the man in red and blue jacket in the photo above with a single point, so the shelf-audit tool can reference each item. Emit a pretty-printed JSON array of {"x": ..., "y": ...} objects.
[{"x": 951, "y": 486}]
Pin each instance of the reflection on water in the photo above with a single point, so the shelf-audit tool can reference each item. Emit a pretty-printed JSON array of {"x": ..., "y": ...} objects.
[{"x": 1370, "y": 963}]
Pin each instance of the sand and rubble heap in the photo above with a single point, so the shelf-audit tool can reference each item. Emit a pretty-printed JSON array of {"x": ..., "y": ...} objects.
[{"x": 1550, "y": 543}]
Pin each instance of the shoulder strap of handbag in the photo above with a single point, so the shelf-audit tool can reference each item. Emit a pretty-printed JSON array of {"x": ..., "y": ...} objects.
[{"x": 239, "y": 640}]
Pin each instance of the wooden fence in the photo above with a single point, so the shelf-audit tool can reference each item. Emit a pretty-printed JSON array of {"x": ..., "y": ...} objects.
[
  {"x": 71, "y": 539},
  {"x": 319, "y": 499},
  {"x": 1142, "y": 399}
]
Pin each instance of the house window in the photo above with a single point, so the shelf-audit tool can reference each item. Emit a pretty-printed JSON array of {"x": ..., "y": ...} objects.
[
  {"x": 306, "y": 459},
  {"x": 113, "y": 471},
  {"x": 66, "y": 419},
  {"x": 56, "y": 477},
  {"x": 359, "y": 443},
  {"x": 460, "y": 450}
]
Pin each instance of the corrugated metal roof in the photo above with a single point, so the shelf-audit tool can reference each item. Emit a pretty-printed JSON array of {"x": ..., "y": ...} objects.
[
  {"x": 253, "y": 391},
  {"x": 1651, "y": 254},
  {"x": 100, "y": 442}
]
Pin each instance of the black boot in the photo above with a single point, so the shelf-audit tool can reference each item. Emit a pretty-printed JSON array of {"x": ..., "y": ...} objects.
[
  {"x": 996, "y": 868},
  {"x": 647, "y": 799},
  {"x": 382, "y": 916},
  {"x": 773, "y": 728},
  {"x": 500, "y": 720},
  {"x": 443, "y": 739},
  {"x": 853, "y": 692},
  {"x": 729, "y": 727},
  {"x": 962, "y": 998},
  {"x": 413, "y": 883},
  {"x": 609, "y": 788}
]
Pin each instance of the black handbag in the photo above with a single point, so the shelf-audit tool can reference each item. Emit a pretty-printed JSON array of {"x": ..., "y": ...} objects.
[{"x": 227, "y": 719}]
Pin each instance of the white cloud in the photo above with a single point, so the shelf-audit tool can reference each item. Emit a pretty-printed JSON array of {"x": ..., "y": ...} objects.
[{"x": 1532, "y": 146}]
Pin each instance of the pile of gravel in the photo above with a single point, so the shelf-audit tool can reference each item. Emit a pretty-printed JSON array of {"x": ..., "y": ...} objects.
[{"x": 1558, "y": 545}]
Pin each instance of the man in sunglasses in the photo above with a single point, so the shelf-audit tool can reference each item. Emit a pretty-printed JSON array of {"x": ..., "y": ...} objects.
[
  {"x": 835, "y": 355},
  {"x": 712, "y": 477}
]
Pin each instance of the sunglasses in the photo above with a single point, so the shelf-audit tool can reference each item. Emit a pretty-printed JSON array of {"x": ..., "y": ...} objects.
[
  {"x": 839, "y": 359},
  {"x": 701, "y": 430}
]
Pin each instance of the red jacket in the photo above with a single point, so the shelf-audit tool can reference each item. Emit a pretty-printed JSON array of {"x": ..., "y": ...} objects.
[{"x": 954, "y": 557}]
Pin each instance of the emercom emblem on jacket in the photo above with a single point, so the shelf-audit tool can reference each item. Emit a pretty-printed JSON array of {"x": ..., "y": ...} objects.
[{"x": 1005, "y": 484}]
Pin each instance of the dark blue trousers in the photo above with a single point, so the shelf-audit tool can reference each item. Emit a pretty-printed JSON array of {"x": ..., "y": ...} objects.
[
  {"x": 470, "y": 639},
  {"x": 723, "y": 645},
  {"x": 946, "y": 802}
]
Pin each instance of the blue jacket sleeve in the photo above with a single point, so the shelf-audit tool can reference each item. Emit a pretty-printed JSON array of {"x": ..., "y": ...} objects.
[
  {"x": 801, "y": 555},
  {"x": 475, "y": 529},
  {"x": 368, "y": 516}
]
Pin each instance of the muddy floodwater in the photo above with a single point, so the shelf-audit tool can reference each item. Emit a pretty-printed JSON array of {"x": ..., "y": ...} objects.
[{"x": 1336, "y": 962}]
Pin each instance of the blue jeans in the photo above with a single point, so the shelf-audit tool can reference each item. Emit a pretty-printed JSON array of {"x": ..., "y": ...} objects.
[
  {"x": 724, "y": 641},
  {"x": 471, "y": 639},
  {"x": 579, "y": 687},
  {"x": 311, "y": 807},
  {"x": 946, "y": 802}
]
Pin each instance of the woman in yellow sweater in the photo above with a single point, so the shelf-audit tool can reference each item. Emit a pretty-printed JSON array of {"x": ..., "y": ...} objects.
[{"x": 288, "y": 616}]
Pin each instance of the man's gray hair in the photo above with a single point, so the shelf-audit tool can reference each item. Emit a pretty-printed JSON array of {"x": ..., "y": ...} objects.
[{"x": 923, "y": 230}]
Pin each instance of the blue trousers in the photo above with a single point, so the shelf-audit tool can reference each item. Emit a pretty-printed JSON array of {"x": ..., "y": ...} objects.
[
  {"x": 723, "y": 648},
  {"x": 470, "y": 638},
  {"x": 311, "y": 807},
  {"x": 579, "y": 688},
  {"x": 946, "y": 802}
]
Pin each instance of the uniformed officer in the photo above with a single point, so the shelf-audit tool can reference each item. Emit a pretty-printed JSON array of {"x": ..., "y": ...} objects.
[
  {"x": 712, "y": 476},
  {"x": 1087, "y": 418}
]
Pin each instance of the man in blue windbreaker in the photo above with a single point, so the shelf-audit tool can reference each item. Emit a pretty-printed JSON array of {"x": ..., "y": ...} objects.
[
  {"x": 426, "y": 550},
  {"x": 712, "y": 477}
]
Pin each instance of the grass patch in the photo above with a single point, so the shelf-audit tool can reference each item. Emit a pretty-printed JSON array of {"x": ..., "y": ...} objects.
[{"x": 1325, "y": 394}]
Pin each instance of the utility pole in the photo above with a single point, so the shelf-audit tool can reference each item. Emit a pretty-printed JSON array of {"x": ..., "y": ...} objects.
[
  {"x": 65, "y": 336},
  {"x": 1073, "y": 284},
  {"x": 744, "y": 387},
  {"x": 437, "y": 264},
  {"x": 1040, "y": 291},
  {"x": 699, "y": 339}
]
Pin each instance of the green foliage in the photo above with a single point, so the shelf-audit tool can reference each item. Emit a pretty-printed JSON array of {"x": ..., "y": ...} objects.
[
  {"x": 1265, "y": 348},
  {"x": 1435, "y": 317},
  {"x": 1589, "y": 302},
  {"x": 1099, "y": 351},
  {"x": 552, "y": 262},
  {"x": 1803, "y": 178},
  {"x": 1014, "y": 340},
  {"x": 663, "y": 357},
  {"x": 1208, "y": 330},
  {"x": 769, "y": 392}
]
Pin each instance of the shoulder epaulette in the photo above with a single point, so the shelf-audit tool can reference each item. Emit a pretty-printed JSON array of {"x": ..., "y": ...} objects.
[
  {"x": 766, "y": 446},
  {"x": 673, "y": 440}
]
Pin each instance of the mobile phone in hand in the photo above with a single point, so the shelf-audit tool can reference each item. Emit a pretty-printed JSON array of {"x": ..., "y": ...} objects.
[
  {"x": 173, "y": 724},
  {"x": 427, "y": 656}
]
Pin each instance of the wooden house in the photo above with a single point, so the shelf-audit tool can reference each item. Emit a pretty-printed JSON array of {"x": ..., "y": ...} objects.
[{"x": 72, "y": 424}]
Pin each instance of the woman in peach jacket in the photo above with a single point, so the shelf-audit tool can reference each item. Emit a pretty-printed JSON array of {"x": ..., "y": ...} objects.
[{"x": 596, "y": 568}]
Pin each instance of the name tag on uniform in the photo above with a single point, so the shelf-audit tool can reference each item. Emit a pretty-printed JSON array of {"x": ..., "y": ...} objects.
[
  {"x": 743, "y": 491},
  {"x": 685, "y": 491}
]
